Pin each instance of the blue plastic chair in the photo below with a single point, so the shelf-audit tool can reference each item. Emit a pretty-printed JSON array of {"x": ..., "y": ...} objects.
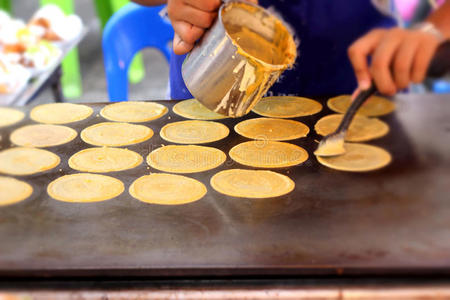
[{"x": 130, "y": 30}]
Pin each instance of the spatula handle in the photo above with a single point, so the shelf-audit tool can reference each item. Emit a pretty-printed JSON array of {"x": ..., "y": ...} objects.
[
  {"x": 440, "y": 64},
  {"x": 356, "y": 104}
]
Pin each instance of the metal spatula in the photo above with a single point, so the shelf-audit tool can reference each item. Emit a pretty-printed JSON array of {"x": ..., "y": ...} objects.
[{"x": 333, "y": 144}]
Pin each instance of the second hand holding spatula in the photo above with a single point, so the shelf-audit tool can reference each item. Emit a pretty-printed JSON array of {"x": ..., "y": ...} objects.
[{"x": 333, "y": 144}]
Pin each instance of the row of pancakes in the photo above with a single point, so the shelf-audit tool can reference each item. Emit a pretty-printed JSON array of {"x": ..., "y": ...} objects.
[
  {"x": 27, "y": 49},
  {"x": 266, "y": 149}
]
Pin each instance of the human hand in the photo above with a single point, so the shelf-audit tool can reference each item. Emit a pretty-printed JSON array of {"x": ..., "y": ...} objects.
[
  {"x": 399, "y": 56},
  {"x": 190, "y": 19}
]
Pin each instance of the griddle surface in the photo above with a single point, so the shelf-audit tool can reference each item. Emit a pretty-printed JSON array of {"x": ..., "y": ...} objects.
[{"x": 392, "y": 221}]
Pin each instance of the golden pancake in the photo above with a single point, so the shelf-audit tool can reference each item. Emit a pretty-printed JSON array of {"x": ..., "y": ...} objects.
[
  {"x": 375, "y": 106},
  {"x": 185, "y": 159},
  {"x": 287, "y": 107},
  {"x": 192, "y": 109},
  {"x": 251, "y": 183},
  {"x": 361, "y": 129},
  {"x": 115, "y": 134},
  {"x": 133, "y": 111},
  {"x": 104, "y": 159},
  {"x": 60, "y": 113},
  {"x": 167, "y": 189},
  {"x": 13, "y": 190},
  {"x": 85, "y": 187},
  {"x": 194, "y": 132},
  {"x": 27, "y": 161},
  {"x": 42, "y": 135},
  {"x": 10, "y": 116},
  {"x": 268, "y": 154},
  {"x": 271, "y": 129},
  {"x": 358, "y": 158}
]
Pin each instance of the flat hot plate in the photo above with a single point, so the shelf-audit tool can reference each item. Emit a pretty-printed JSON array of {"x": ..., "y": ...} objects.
[{"x": 392, "y": 221}]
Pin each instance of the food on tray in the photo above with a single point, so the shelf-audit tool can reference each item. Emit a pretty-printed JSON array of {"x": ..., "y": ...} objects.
[
  {"x": 185, "y": 159},
  {"x": 194, "y": 132},
  {"x": 268, "y": 154},
  {"x": 10, "y": 116},
  {"x": 42, "y": 135},
  {"x": 56, "y": 26},
  {"x": 29, "y": 49},
  {"x": 167, "y": 189},
  {"x": 361, "y": 129},
  {"x": 133, "y": 111},
  {"x": 11, "y": 33},
  {"x": 85, "y": 187},
  {"x": 40, "y": 56},
  {"x": 251, "y": 183},
  {"x": 375, "y": 106},
  {"x": 115, "y": 134},
  {"x": 192, "y": 109},
  {"x": 358, "y": 158},
  {"x": 27, "y": 161},
  {"x": 287, "y": 107},
  {"x": 104, "y": 159},
  {"x": 12, "y": 76},
  {"x": 13, "y": 190},
  {"x": 60, "y": 113},
  {"x": 271, "y": 129}
]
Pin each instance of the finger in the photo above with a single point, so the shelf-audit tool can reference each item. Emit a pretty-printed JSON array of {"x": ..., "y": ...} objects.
[
  {"x": 423, "y": 57},
  {"x": 180, "y": 47},
  {"x": 382, "y": 60},
  {"x": 358, "y": 53},
  {"x": 187, "y": 32},
  {"x": 204, "y": 5},
  {"x": 192, "y": 15},
  {"x": 403, "y": 61}
]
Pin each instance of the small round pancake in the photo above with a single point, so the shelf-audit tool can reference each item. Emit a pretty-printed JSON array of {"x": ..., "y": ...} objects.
[
  {"x": 358, "y": 158},
  {"x": 60, "y": 113},
  {"x": 375, "y": 106},
  {"x": 42, "y": 135},
  {"x": 361, "y": 129},
  {"x": 192, "y": 109},
  {"x": 194, "y": 132},
  {"x": 10, "y": 116},
  {"x": 268, "y": 154},
  {"x": 133, "y": 111},
  {"x": 13, "y": 190},
  {"x": 185, "y": 159},
  {"x": 167, "y": 189},
  {"x": 115, "y": 134},
  {"x": 85, "y": 187},
  {"x": 27, "y": 161},
  {"x": 287, "y": 107},
  {"x": 104, "y": 160},
  {"x": 251, "y": 183},
  {"x": 271, "y": 129}
]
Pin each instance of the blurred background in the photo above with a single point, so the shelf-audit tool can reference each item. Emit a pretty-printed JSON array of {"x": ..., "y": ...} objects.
[{"x": 153, "y": 84}]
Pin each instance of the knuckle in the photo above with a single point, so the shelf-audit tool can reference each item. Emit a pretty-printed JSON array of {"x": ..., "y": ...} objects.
[
  {"x": 353, "y": 50},
  {"x": 211, "y": 5},
  {"x": 401, "y": 66}
]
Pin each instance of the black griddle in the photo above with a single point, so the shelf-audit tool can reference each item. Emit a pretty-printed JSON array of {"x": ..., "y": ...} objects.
[{"x": 392, "y": 221}]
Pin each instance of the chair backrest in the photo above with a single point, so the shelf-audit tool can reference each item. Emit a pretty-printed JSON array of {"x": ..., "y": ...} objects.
[{"x": 131, "y": 29}]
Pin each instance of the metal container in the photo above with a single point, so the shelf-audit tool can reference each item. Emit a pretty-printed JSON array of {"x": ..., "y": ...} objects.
[{"x": 223, "y": 72}]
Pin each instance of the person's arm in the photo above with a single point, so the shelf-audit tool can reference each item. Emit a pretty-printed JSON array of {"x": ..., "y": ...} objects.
[
  {"x": 150, "y": 2},
  {"x": 399, "y": 56}
]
